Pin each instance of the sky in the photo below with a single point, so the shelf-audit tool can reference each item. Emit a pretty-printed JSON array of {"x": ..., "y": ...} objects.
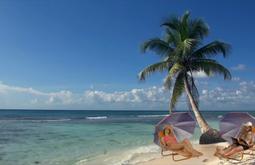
[{"x": 85, "y": 54}]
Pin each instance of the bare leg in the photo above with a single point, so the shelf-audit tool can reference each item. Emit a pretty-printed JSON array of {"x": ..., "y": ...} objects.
[
  {"x": 176, "y": 146},
  {"x": 181, "y": 148},
  {"x": 187, "y": 148},
  {"x": 192, "y": 151},
  {"x": 190, "y": 147},
  {"x": 222, "y": 151},
  {"x": 233, "y": 151},
  {"x": 185, "y": 153},
  {"x": 187, "y": 142}
]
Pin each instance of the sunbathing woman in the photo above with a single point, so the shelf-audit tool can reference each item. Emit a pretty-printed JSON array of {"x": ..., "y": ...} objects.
[
  {"x": 244, "y": 141},
  {"x": 170, "y": 141}
]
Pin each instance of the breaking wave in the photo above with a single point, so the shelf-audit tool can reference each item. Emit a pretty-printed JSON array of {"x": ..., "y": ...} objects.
[{"x": 96, "y": 117}]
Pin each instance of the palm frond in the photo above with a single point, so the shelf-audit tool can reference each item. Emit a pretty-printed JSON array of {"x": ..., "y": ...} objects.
[
  {"x": 185, "y": 25},
  {"x": 210, "y": 67},
  {"x": 177, "y": 67},
  {"x": 188, "y": 45},
  {"x": 211, "y": 49},
  {"x": 156, "y": 45},
  {"x": 173, "y": 37},
  {"x": 188, "y": 28},
  {"x": 160, "y": 66},
  {"x": 168, "y": 81},
  {"x": 198, "y": 29},
  {"x": 177, "y": 90},
  {"x": 172, "y": 23},
  {"x": 185, "y": 18}
]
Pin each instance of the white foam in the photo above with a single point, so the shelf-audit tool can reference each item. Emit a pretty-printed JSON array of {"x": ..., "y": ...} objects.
[
  {"x": 81, "y": 162},
  {"x": 220, "y": 116},
  {"x": 137, "y": 155},
  {"x": 124, "y": 157},
  {"x": 96, "y": 117},
  {"x": 151, "y": 115},
  {"x": 33, "y": 120},
  {"x": 57, "y": 120}
]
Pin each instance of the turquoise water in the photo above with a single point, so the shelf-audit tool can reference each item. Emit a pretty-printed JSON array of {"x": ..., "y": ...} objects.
[{"x": 81, "y": 137}]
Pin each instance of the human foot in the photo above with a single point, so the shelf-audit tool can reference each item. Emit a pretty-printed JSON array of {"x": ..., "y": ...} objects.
[
  {"x": 197, "y": 154},
  {"x": 218, "y": 153}
]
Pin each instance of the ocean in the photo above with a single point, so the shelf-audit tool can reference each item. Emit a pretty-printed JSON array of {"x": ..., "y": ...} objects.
[{"x": 56, "y": 137}]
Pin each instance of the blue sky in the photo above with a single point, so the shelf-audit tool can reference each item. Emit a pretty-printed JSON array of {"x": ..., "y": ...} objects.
[{"x": 85, "y": 54}]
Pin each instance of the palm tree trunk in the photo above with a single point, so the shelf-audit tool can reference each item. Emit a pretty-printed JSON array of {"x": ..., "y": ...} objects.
[{"x": 200, "y": 120}]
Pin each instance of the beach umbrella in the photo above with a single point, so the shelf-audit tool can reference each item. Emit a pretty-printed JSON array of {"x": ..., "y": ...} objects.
[
  {"x": 232, "y": 122},
  {"x": 182, "y": 122}
]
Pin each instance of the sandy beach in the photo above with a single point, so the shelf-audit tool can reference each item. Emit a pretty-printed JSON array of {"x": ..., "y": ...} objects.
[{"x": 206, "y": 159}]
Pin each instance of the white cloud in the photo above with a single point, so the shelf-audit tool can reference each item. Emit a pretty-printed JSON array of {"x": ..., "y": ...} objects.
[
  {"x": 62, "y": 97},
  {"x": 204, "y": 91},
  {"x": 23, "y": 97},
  {"x": 239, "y": 67},
  {"x": 240, "y": 97},
  {"x": 6, "y": 88},
  {"x": 199, "y": 74},
  {"x": 234, "y": 95},
  {"x": 235, "y": 79},
  {"x": 34, "y": 101},
  {"x": 153, "y": 94}
]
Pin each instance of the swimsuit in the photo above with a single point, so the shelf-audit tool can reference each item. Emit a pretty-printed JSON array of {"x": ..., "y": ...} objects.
[
  {"x": 170, "y": 139},
  {"x": 244, "y": 144}
]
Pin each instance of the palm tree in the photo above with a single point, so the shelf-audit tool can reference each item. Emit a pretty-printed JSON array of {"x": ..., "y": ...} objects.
[{"x": 182, "y": 55}]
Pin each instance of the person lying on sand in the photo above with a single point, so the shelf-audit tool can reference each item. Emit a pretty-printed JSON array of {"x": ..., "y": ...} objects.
[
  {"x": 170, "y": 141},
  {"x": 244, "y": 141}
]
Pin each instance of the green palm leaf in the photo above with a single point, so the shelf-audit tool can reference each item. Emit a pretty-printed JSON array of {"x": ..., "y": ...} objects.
[
  {"x": 210, "y": 67},
  {"x": 211, "y": 49},
  {"x": 198, "y": 29},
  {"x": 160, "y": 66},
  {"x": 172, "y": 23},
  {"x": 177, "y": 67},
  {"x": 168, "y": 81},
  {"x": 184, "y": 30},
  {"x": 173, "y": 37},
  {"x": 188, "y": 45},
  {"x": 156, "y": 45}
]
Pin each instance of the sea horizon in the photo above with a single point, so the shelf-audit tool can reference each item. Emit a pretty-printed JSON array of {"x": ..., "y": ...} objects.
[{"x": 27, "y": 109}]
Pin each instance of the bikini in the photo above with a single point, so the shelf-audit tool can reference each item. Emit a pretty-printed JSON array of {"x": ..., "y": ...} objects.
[{"x": 170, "y": 139}]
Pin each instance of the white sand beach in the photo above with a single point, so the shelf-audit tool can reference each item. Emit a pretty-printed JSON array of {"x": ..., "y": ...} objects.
[{"x": 207, "y": 159}]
